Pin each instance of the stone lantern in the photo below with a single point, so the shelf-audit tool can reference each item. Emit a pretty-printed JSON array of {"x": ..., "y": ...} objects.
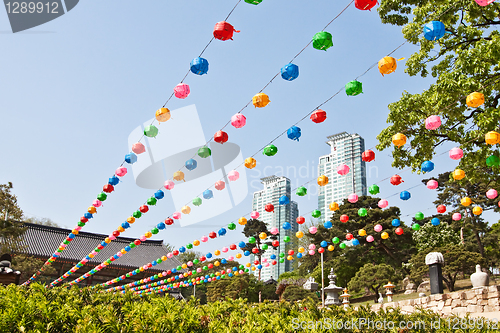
[
  {"x": 388, "y": 291},
  {"x": 345, "y": 298},
  {"x": 332, "y": 291},
  {"x": 7, "y": 274},
  {"x": 435, "y": 261}
]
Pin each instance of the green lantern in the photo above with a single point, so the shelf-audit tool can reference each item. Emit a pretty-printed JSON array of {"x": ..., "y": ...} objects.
[
  {"x": 251, "y": 240},
  {"x": 81, "y": 224},
  {"x": 270, "y": 150},
  {"x": 212, "y": 275},
  {"x": 286, "y": 239},
  {"x": 335, "y": 240},
  {"x": 354, "y": 88},
  {"x": 159, "y": 261},
  {"x": 231, "y": 226},
  {"x": 151, "y": 201},
  {"x": 179, "y": 268},
  {"x": 65, "y": 242},
  {"x": 342, "y": 246},
  {"x": 264, "y": 247},
  {"x": 247, "y": 270},
  {"x": 132, "y": 245},
  {"x": 415, "y": 226},
  {"x": 197, "y": 201},
  {"x": 241, "y": 267},
  {"x": 137, "y": 214},
  {"x": 205, "y": 268},
  {"x": 282, "y": 255},
  {"x": 102, "y": 196},
  {"x": 362, "y": 212},
  {"x": 374, "y": 189},
  {"x": 492, "y": 161},
  {"x": 282, "y": 260},
  {"x": 196, "y": 261},
  {"x": 253, "y": 2},
  {"x": 301, "y": 191},
  {"x": 204, "y": 152},
  {"x": 154, "y": 231},
  {"x": 419, "y": 216},
  {"x": 316, "y": 213},
  {"x": 150, "y": 131},
  {"x": 189, "y": 246},
  {"x": 322, "y": 40}
]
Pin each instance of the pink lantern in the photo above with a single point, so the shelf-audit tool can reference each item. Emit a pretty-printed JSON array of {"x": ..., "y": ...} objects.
[
  {"x": 220, "y": 185},
  {"x": 119, "y": 254},
  {"x": 190, "y": 264},
  {"x": 170, "y": 255},
  {"x": 311, "y": 252},
  {"x": 181, "y": 90},
  {"x": 209, "y": 279},
  {"x": 204, "y": 239},
  {"x": 230, "y": 258},
  {"x": 238, "y": 120},
  {"x": 94, "y": 253},
  {"x": 112, "y": 237},
  {"x": 370, "y": 238},
  {"x": 225, "y": 249},
  {"x": 313, "y": 230},
  {"x": 456, "y": 153},
  {"x": 121, "y": 171},
  {"x": 169, "y": 184},
  {"x": 484, "y": 3},
  {"x": 266, "y": 265},
  {"x": 138, "y": 148},
  {"x": 78, "y": 228},
  {"x": 491, "y": 193},
  {"x": 312, "y": 247},
  {"x": 274, "y": 230},
  {"x": 432, "y": 184},
  {"x": 143, "y": 238},
  {"x": 241, "y": 271},
  {"x": 254, "y": 215},
  {"x": 383, "y": 203},
  {"x": 432, "y": 122},
  {"x": 176, "y": 215},
  {"x": 97, "y": 203},
  {"x": 198, "y": 270},
  {"x": 378, "y": 228},
  {"x": 456, "y": 216},
  {"x": 353, "y": 198},
  {"x": 264, "y": 260},
  {"x": 343, "y": 169},
  {"x": 233, "y": 175}
]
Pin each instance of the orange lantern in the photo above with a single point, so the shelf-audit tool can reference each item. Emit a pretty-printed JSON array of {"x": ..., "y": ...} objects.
[
  {"x": 242, "y": 221},
  {"x": 179, "y": 175},
  {"x": 399, "y": 139},
  {"x": 387, "y": 65},
  {"x": 492, "y": 138},
  {"x": 475, "y": 99},
  {"x": 334, "y": 206},
  {"x": 162, "y": 115},
  {"x": 322, "y": 180},
  {"x": 477, "y": 210},
  {"x": 186, "y": 210},
  {"x": 466, "y": 201},
  {"x": 458, "y": 174},
  {"x": 250, "y": 163},
  {"x": 260, "y": 100}
]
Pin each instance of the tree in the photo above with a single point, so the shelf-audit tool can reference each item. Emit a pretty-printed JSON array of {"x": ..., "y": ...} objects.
[
  {"x": 463, "y": 61},
  {"x": 43, "y": 221},
  {"x": 189, "y": 255},
  {"x": 373, "y": 277},
  {"x": 430, "y": 236},
  {"x": 253, "y": 228},
  {"x": 456, "y": 260},
  {"x": 28, "y": 265},
  {"x": 297, "y": 293}
]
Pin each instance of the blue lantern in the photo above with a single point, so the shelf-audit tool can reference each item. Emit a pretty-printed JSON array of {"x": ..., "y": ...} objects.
[
  {"x": 125, "y": 225},
  {"x": 435, "y": 221},
  {"x": 208, "y": 194},
  {"x": 222, "y": 231},
  {"x": 284, "y": 200},
  {"x": 209, "y": 255},
  {"x": 113, "y": 180},
  {"x": 427, "y": 166},
  {"x": 131, "y": 158},
  {"x": 293, "y": 133},
  {"x": 259, "y": 266},
  {"x": 290, "y": 72},
  {"x": 160, "y": 225},
  {"x": 242, "y": 244},
  {"x": 405, "y": 195},
  {"x": 159, "y": 194},
  {"x": 223, "y": 261},
  {"x": 287, "y": 226},
  {"x": 191, "y": 164},
  {"x": 323, "y": 244},
  {"x": 246, "y": 253},
  {"x": 182, "y": 249},
  {"x": 328, "y": 224},
  {"x": 434, "y": 30},
  {"x": 87, "y": 216},
  {"x": 199, "y": 66},
  {"x": 396, "y": 223},
  {"x": 273, "y": 256},
  {"x": 355, "y": 242},
  {"x": 299, "y": 255}
]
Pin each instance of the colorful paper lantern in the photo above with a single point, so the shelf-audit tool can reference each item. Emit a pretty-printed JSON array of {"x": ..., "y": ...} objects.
[
  {"x": 270, "y": 150},
  {"x": 432, "y": 184},
  {"x": 328, "y": 225},
  {"x": 221, "y": 137},
  {"x": 492, "y": 161},
  {"x": 378, "y": 228},
  {"x": 434, "y": 30},
  {"x": 432, "y": 122},
  {"x": 108, "y": 188},
  {"x": 427, "y": 166},
  {"x": 250, "y": 163},
  {"x": 233, "y": 175},
  {"x": 318, "y": 116},
  {"x": 415, "y": 226},
  {"x": 269, "y": 208},
  {"x": 290, "y": 72},
  {"x": 441, "y": 209},
  {"x": 477, "y": 210},
  {"x": 301, "y": 220},
  {"x": 353, "y": 198},
  {"x": 178, "y": 175},
  {"x": 396, "y": 223},
  {"x": 362, "y": 212},
  {"x": 299, "y": 234},
  {"x": 301, "y": 191},
  {"x": 384, "y": 235},
  {"x": 262, "y": 235},
  {"x": 399, "y": 139},
  {"x": 284, "y": 200},
  {"x": 466, "y": 201},
  {"x": 316, "y": 213},
  {"x": 199, "y": 66},
  {"x": 131, "y": 158},
  {"x": 368, "y": 155},
  {"x": 456, "y": 153},
  {"x": 387, "y": 65},
  {"x": 405, "y": 195},
  {"x": 220, "y": 185},
  {"x": 362, "y": 232},
  {"x": 169, "y": 221},
  {"x": 162, "y": 115},
  {"x": 197, "y": 201},
  {"x": 204, "y": 152},
  {"x": 484, "y": 3},
  {"x": 121, "y": 171},
  {"x": 383, "y": 203},
  {"x": 293, "y": 133},
  {"x": 322, "y": 180},
  {"x": 176, "y": 215},
  {"x": 313, "y": 230},
  {"x": 224, "y": 31},
  {"x": 274, "y": 231},
  {"x": 456, "y": 216},
  {"x": 253, "y": 2},
  {"x": 181, "y": 90},
  {"x": 349, "y": 236},
  {"x": 491, "y": 193},
  {"x": 138, "y": 148},
  {"x": 492, "y": 138},
  {"x": 254, "y": 214},
  {"x": 475, "y": 99},
  {"x": 374, "y": 189},
  {"x": 365, "y": 4},
  {"x": 191, "y": 164},
  {"x": 353, "y": 88},
  {"x": 396, "y": 180},
  {"x": 458, "y": 174},
  {"x": 435, "y": 221},
  {"x": 334, "y": 206},
  {"x": 344, "y": 218},
  {"x": 169, "y": 185},
  {"x": 151, "y": 131},
  {"x": 343, "y": 169},
  {"x": 238, "y": 120},
  {"x": 260, "y": 100},
  {"x": 370, "y": 238},
  {"x": 242, "y": 221},
  {"x": 322, "y": 40},
  {"x": 286, "y": 226}
]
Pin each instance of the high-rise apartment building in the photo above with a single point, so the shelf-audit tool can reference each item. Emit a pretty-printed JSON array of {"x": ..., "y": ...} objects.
[
  {"x": 345, "y": 149},
  {"x": 274, "y": 188}
]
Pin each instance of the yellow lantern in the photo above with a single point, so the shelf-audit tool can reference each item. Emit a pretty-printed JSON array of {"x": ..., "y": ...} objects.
[
  {"x": 217, "y": 252},
  {"x": 475, "y": 99},
  {"x": 301, "y": 249},
  {"x": 238, "y": 255},
  {"x": 196, "y": 242},
  {"x": 262, "y": 235},
  {"x": 477, "y": 210},
  {"x": 148, "y": 234},
  {"x": 163, "y": 258},
  {"x": 458, "y": 174},
  {"x": 91, "y": 255},
  {"x": 186, "y": 210},
  {"x": 92, "y": 210},
  {"x": 131, "y": 220},
  {"x": 253, "y": 268},
  {"x": 334, "y": 206},
  {"x": 107, "y": 240},
  {"x": 217, "y": 263},
  {"x": 247, "y": 264},
  {"x": 120, "y": 229},
  {"x": 362, "y": 232},
  {"x": 466, "y": 201},
  {"x": 179, "y": 175},
  {"x": 162, "y": 115},
  {"x": 184, "y": 266},
  {"x": 330, "y": 248},
  {"x": 218, "y": 274},
  {"x": 185, "y": 274},
  {"x": 242, "y": 221},
  {"x": 160, "y": 275},
  {"x": 260, "y": 100},
  {"x": 322, "y": 180},
  {"x": 250, "y": 163},
  {"x": 399, "y": 139},
  {"x": 384, "y": 235},
  {"x": 236, "y": 273},
  {"x": 290, "y": 257},
  {"x": 140, "y": 268},
  {"x": 123, "y": 251},
  {"x": 492, "y": 138},
  {"x": 387, "y": 65},
  {"x": 299, "y": 234},
  {"x": 74, "y": 232}
]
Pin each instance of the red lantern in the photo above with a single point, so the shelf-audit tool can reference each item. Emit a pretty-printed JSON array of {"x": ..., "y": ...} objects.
[
  {"x": 276, "y": 243},
  {"x": 100, "y": 247},
  {"x": 108, "y": 188},
  {"x": 321, "y": 250},
  {"x": 291, "y": 252},
  {"x": 116, "y": 233},
  {"x": 232, "y": 246},
  {"x": 144, "y": 209},
  {"x": 175, "y": 252},
  {"x": 441, "y": 209},
  {"x": 220, "y": 137},
  {"x": 255, "y": 250},
  {"x": 256, "y": 262},
  {"x": 137, "y": 242},
  {"x": 169, "y": 221},
  {"x": 396, "y": 180},
  {"x": 269, "y": 208},
  {"x": 83, "y": 219},
  {"x": 349, "y": 237},
  {"x": 365, "y": 4},
  {"x": 399, "y": 231},
  {"x": 274, "y": 262},
  {"x": 212, "y": 235},
  {"x": 202, "y": 259},
  {"x": 224, "y": 31},
  {"x": 210, "y": 266},
  {"x": 318, "y": 116},
  {"x": 150, "y": 265},
  {"x": 301, "y": 220},
  {"x": 344, "y": 218},
  {"x": 368, "y": 155}
]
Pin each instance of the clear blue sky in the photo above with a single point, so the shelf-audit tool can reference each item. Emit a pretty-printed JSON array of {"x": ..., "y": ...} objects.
[{"x": 74, "y": 88}]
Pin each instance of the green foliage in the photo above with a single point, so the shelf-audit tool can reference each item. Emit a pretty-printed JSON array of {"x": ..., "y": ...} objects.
[
  {"x": 288, "y": 275},
  {"x": 43, "y": 221},
  {"x": 298, "y": 293},
  {"x": 28, "y": 265},
  {"x": 463, "y": 61},
  {"x": 430, "y": 236},
  {"x": 373, "y": 277},
  {"x": 10, "y": 213}
]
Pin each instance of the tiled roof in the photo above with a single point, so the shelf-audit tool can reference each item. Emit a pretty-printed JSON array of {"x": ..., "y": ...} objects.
[{"x": 42, "y": 241}]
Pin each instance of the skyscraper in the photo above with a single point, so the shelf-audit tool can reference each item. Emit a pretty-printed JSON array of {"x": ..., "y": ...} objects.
[
  {"x": 274, "y": 188},
  {"x": 345, "y": 149}
]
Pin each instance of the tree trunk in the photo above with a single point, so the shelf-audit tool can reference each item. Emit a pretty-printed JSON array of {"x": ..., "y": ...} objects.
[
  {"x": 389, "y": 252},
  {"x": 375, "y": 290},
  {"x": 479, "y": 243}
]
